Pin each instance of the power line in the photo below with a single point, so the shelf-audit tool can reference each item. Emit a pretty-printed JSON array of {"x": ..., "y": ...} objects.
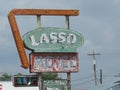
[
  {"x": 85, "y": 82},
  {"x": 82, "y": 78}
]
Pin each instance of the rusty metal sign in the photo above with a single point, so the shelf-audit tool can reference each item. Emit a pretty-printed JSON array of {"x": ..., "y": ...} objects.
[
  {"x": 54, "y": 62},
  {"x": 37, "y": 12}
]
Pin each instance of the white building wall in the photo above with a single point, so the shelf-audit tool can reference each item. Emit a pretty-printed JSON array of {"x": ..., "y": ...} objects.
[{"x": 8, "y": 86}]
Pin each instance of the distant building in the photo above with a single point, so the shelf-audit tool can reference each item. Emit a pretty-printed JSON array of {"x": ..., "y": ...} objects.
[{"x": 7, "y": 85}]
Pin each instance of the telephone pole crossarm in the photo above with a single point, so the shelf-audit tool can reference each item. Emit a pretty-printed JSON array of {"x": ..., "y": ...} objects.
[{"x": 93, "y": 54}]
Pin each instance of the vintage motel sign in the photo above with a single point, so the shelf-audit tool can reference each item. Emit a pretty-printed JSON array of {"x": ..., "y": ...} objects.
[
  {"x": 49, "y": 39},
  {"x": 25, "y": 80},
  {"x": 36, "y": 12},
  {"x": 53, "y": 62}
]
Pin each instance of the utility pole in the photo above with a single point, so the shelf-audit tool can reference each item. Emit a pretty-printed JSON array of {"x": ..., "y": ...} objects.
[
  {"x": 100, "y": 76},
  {"x": 94, "y": 65}
]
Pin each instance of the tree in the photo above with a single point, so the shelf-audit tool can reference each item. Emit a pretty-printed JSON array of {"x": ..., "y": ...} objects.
[
  {"x": 19, "y": 74},
  {"x": 5, "y": 77},
  {"x": 49, "y": 76}
]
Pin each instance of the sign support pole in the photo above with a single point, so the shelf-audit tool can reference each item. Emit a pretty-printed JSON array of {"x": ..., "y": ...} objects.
[
  {"x": 39, "y": 74},
  {"x": 40, "y": 81},
  {"x": 38, "y": 21},
  {"x": 68, "y": 74},
  {"x": 69, "y": 80},
  {"x": 67, "y": 22}
]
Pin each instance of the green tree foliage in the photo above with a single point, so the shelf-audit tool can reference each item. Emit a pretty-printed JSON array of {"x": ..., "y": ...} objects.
[
  {"x": 5, "y": 77},
  {"x": 19, "y": 74},
  {"x": 49, "y": 76}
]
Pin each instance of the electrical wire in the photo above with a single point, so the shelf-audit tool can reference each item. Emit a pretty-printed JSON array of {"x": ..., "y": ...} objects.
[{"x": 81, "y": 78}]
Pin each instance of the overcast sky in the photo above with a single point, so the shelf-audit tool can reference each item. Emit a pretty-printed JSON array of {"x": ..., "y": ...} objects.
[{"x": 98, "y": 22}]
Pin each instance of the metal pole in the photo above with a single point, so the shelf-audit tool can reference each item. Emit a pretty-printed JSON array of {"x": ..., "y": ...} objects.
[
  {"x": 100, "y": 76},
  {"x": 68, "y": 74},
  {"x": 40, "y": 81},
  {"x": 40, "y": 85},
  {"x": 95, "y": 74},
  {"x": 69, "y": 80},
  {"x": 38, "y": 21},
  {"x": 67, "y": 22}
]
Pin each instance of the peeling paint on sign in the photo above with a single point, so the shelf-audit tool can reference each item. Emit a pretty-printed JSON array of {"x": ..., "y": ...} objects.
[
  {"x": 56, "y": 62},
  {"x": 52, "y": 40}
]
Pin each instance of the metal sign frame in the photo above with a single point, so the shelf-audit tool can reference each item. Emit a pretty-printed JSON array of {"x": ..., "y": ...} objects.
[{"x": 37, "y": 12}]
